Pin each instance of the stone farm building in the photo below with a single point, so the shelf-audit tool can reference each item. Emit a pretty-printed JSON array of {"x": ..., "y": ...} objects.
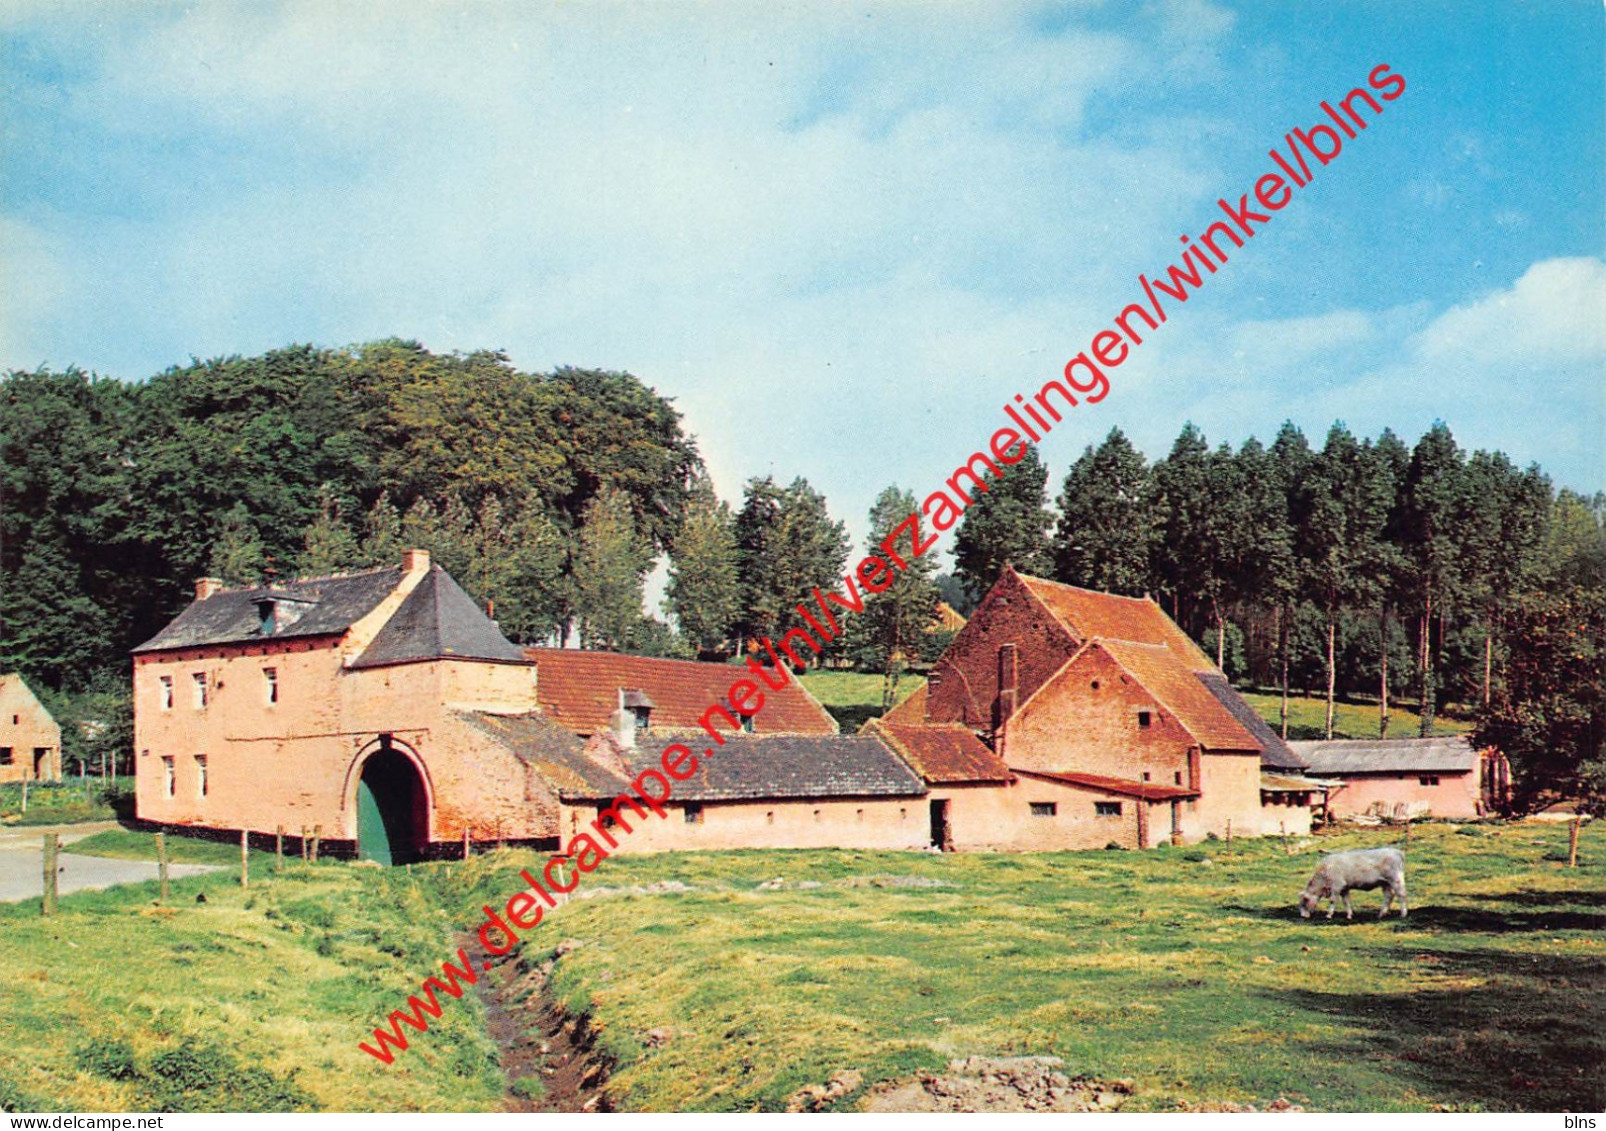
[
  {"x": 384, "y": 712},
  {"x": 30, "y": 740},
  {"x": 1408, "y": 777}
]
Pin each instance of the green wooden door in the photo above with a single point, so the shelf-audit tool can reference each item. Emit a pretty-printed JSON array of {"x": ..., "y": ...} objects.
[{"x": 373, "y": 839}]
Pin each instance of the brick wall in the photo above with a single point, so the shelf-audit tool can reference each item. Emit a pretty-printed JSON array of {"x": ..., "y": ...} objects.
[
  {"x": 32, "y": 736},
  {"x": 870, "y": 823},
  {"x": 1455, "y": 795}
]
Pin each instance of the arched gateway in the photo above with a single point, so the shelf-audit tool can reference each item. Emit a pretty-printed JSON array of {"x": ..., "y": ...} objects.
[{"x": 392, "y": 807}]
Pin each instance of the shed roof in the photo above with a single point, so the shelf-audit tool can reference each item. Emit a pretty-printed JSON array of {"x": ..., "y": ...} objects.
[
  {"x": 581, "y": 691},
  {"x": 1445, "y": 754},
  {"x": 553, "y": 752},
  {"x": 941, "y": 752},
  {"x": 1274, "y": 752},
  {"x": 438, "y": 621},
  {"x": 1122, "y": 787},
  {"x": 773, "y": 767},
  {"x": 229, "y": 616}
]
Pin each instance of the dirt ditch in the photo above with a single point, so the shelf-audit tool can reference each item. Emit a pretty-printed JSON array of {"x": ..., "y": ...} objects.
[{"x": 548, "y": 1056}]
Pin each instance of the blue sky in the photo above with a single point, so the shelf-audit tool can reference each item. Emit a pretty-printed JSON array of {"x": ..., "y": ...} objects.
[{"x": 840, "y": 235}]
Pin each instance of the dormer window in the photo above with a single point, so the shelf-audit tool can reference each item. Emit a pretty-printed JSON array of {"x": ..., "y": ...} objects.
[
  {"x": 267, "y": 616},
  {"x": 747, "y": 723},
  {"x": 275, "y": 614},
  {"x": 640, "y": 707}
]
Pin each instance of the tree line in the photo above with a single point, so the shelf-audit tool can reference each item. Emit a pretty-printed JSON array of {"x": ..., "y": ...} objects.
[{"x": 1361, "y": 568}]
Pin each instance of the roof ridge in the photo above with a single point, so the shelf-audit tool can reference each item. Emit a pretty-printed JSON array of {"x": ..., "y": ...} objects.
[{"x": 279, "y": 583}]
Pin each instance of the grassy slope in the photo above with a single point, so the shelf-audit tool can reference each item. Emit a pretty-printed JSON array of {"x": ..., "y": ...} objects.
[
  {"x": 287, "y": 976},
  {"x": 855, "y": 696},
  {"x": 1194, "y": 978}
]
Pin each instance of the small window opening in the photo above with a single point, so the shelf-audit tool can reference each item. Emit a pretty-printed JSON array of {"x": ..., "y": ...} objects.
[
  {"x": 167, "y": 692},
  {"x": 1177, "y": 777},
  {"x": 1145, "y": 775},
  {"x": 693, "y": 814},
  {"x": 1107, "y": 808},
  {"x": 643, "y": 718},
  {"x": 270, "y": 677},
  {"x": 769, "y": 818},
  {"x": 1428, "y": 779},
  {"x": 199, "y": 679},
  {"x": 1095, "y": 685},
  {"x": 1144, "y": 718},
  {"x": 200, "y": 775},
  {"x": 6, "y": 756},
  {"x": 168, "y": 779},
  {"x": 1045, "y": 808},
  {"x": 858, "y": 814},
  {"x": 747, "y": 723},
  {"x": 816, "y": 815},
  {"x": 606, "y": 820}
]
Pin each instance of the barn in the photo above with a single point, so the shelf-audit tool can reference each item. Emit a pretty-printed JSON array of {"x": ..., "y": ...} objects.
[
  {"x": 1408, "y": 777},
  {"x": 30, "y": 740}
]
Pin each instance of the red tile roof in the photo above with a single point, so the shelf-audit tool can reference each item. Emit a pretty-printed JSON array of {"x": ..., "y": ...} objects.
[
  {"x": 1124, "y": 787},
  {"x": 580, "y": 690},
  {"x": 1086, "y": 614},
  {"x": 1158, "y": 669},
  {"x": 941, "y": 752},
  {"x": 911, "y": 711}
]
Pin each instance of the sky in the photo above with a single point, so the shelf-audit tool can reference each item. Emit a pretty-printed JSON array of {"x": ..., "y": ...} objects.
[{"x": 839, "y": 235}]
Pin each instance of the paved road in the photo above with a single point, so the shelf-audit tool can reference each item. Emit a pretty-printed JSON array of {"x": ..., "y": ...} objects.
[{"x": 22, "y": 863}]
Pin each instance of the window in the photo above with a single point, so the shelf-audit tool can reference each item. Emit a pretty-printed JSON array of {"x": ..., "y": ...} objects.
[
  {"x": 694, "y": 814},
  {"x": 769, "y": 818},
  {"x": 1045, "y": 808},
  {"x": 816, "y": 816},
  {"x": 1095, "y": 685},
  {"x": 1145, "y": 775},
  {"x": 200, "y": 689},
  {"x": 5, "y": 755},
  {"x": 606, "y": 820},
  {"x": 270, "y": 685},
  {"x": 167, "y": 692},
  {"x": 1144, "y": 718},
  {"x": 1428, "y": 779},
  {"x": 747, "y": 723},
  {"x": 200, "y": 775},
  {"x": 858, "y": 814},
  {"x": 1177, "y": 777},
  {"x": 167, "y": 777},
  {"x": 1107, "y": 808},
  {"x": 16, "y": 720},
  {"x": 643, "y": 718}
]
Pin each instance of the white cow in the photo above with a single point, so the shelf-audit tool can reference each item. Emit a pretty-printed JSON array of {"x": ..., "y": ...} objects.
[{"x": 1365, "y": 869}]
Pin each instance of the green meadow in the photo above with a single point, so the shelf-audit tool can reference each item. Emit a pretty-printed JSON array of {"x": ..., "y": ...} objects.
[{"x": 1186, "y": 971}]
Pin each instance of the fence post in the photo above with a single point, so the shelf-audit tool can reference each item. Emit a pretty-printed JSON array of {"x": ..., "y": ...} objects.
[
  {"x": 1282, "y": 831},
  {"x": 161, "y": 867},
  {"x": 51, "y": 846},
  {"x": 1229, "y": 830},
  {"x": 24, "y": 795},
  {"x": 1407, "y": 831},
  {"x": 278, "y": 848},
  {"x": 317, "y": 834},
  {"x": 245, "y": 858},
  {"x": 465, "y": 842},
  {"x": 1572, "y": 840},
  {"x": 303, "y": 844}
]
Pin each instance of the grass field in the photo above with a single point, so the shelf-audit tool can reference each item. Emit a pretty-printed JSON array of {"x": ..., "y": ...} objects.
[
  {"x": 1186, "y": 970},
  {"x": 253, "y": 1000},
  {"x": 69, "y": 800}
]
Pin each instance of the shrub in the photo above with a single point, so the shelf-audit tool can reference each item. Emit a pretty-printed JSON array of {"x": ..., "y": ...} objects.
[
  {"x": 108, "y": 1057},
  {"x": 194, "y": 1077},
  {"x": 1115, "y": 846}
]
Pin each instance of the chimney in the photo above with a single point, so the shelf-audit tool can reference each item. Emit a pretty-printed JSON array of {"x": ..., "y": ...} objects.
[
  {"x": 1006, "y": 685},
  {"x": 206, "y": 586},
  {"x": 415, "y": 561}
]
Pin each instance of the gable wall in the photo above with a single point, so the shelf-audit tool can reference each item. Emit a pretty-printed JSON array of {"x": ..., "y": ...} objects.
[
  {"x": 1456, "y": 795},
  {"x": 968, "y": 671},
  {"x": 33, "y": 730}
]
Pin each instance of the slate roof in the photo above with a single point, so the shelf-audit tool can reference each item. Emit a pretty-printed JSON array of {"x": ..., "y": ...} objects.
[
  {"x": 438, "y": 621},
  {"x": 555, "y": 753},
  {"x": 751, "y": 767},
  {"x": 1122, "y": 787},
  {"x": 1451, "y": 754},
  {"x": 941, "y": 752},
  {"x": 1176, "y": 687},
  {"x": 1274, "y": 752},
  {"x": 229, "y": 616},
  {"x": 1086, "y": 614},
  {"x": 581, "y": 691}
]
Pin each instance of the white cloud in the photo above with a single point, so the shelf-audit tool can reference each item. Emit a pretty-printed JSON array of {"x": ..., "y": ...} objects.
[{"x": 1555, "y": 313}]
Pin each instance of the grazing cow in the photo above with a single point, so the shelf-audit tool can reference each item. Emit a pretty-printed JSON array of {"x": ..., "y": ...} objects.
[{"x": 1364, "y": 868}]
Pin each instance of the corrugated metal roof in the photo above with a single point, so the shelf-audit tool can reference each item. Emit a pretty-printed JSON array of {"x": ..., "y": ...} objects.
[
  {"x": 941, "y": 752},
  {"x": 1274, "y": 751},
  {"x": 774, "y": 767},
  {"x": 1164, "y": 675},
  {"x": 1087, "y": 614},
  {"x": 1123, "y": 787},
  {"x": 230, "y": 616},
  {"x": 1448, "y": 754},
  {"x": 438, "y": 621},
  {"x": 581, "y": 691}
]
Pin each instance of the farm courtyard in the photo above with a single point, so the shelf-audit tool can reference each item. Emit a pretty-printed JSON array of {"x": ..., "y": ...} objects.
[{"x": 734, "y": 981}]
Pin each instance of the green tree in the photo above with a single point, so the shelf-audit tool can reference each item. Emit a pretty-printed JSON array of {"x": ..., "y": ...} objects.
[
  {"x": 896, "y": 620},
  {"x": 237, "y": 556},
  {"x": 610, "y": 568},
  {"x": 1006, "y": 525},
  {"x": 1432, "y": 501},
  {"x": 328, "y": 544},
  {"x": 1103, "y": 537},
  {"x": 787, "y": 545},
  {"x": 703, "y": 591}
]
